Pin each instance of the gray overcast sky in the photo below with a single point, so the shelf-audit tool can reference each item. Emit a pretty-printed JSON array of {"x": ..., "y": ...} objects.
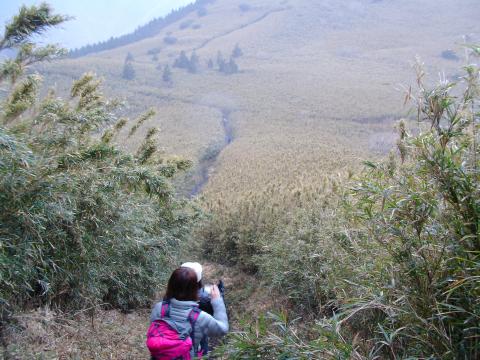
[{"x": 95, "y": 20}]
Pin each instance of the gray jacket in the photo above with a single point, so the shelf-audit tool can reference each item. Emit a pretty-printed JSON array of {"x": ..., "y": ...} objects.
[{"x": 206, "y": 325}]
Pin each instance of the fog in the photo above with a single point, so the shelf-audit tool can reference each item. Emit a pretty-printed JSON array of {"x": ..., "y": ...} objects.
[{"x": 95, "y": 21}]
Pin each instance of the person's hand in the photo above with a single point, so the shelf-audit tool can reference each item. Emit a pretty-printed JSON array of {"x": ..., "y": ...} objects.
[{"x": 215, "y": 294}]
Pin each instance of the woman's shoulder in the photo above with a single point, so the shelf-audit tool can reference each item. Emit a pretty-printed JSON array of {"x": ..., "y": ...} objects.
[
  {"x": 181, "y": 303},
  {"x": 159, "y": 303},
  {"x": 204, "y": 317},
  {"x": 215, "y": 327},
  {"x": 182, "y": 306}
]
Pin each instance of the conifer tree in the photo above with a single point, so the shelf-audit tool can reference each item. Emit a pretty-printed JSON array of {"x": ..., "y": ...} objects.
[
  {"x": 232, "y": 66},
  {"x": 167, "y": 74},
  {"x": 229, "y": 67},
  {"x": 220, "y": 61},
  {"x": 194, "y": 63},
  {"x": 129, "y": 57},
  {"x": 237, "y": 52},
  {"x": 182, "y": 61},
  {"x": 128, "y": 70}
]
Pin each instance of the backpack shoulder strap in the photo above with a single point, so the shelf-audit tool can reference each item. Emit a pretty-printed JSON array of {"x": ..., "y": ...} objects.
[
  {"x": 193, "y": 315},
  {"x": 192, "y": 318},
  {"x": 165, "y": 312}
]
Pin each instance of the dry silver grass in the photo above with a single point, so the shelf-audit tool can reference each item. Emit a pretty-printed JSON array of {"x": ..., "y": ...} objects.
[
  {"x": 306, "y": 72},
  {"x": 45, "y": 334}
]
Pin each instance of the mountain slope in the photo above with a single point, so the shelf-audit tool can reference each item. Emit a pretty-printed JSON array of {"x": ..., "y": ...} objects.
[{"x": 318, "y": 85}]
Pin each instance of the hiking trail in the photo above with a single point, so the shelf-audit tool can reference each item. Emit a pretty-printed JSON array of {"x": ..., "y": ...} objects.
[{"x": 208, "y": 161}]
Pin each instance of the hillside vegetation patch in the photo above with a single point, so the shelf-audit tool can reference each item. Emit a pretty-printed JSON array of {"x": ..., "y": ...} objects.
[
  {"x": 387, "y": 262},
  {"x": 82, "y": 224}
]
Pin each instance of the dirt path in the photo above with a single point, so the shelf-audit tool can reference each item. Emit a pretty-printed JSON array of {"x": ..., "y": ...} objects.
[
  {"x": 207, "y": 163},
  {"x": 102, "y": 334},
  {"x": 243, "y": 26},
  {"x": 245, "y": 296},
  {"x": 44, "y": 334}
]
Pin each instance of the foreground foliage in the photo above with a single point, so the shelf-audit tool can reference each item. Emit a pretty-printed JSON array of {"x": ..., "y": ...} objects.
[
  {"x": 394, "y": 263},
  {"x": 82, "y": 223},
  {"x": 423, "y": 209}
]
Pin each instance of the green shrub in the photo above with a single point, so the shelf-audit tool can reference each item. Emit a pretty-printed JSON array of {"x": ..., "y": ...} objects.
[
  {"x": 170, "y": 40},
  {"x": 277, "y": 337},
  {"x": 244, "y": 7},
  {"x": 423, "y": 209},
  {"x": 395, "y": 260},
  {"x": 202, "y": 12},
  {"x": 185, "y": 24},
  {"x": 81, "y": 223},
  {"x": 128, "y": 71}
]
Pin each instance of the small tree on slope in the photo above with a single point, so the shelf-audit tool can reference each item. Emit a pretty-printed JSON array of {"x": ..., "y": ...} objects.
[
  {"x": 128, "y": 70},
  {"x": 167, "y": 74}
]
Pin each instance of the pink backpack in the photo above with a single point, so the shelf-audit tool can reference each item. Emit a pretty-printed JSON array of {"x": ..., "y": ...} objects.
[{"x": 165, "y": 343}]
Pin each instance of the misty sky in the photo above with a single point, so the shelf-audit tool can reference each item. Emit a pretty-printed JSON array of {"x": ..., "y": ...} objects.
[{"x": 95, "y": 20}]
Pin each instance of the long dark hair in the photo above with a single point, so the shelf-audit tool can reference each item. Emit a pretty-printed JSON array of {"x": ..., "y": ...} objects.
[{"x": 183, "y": 285}]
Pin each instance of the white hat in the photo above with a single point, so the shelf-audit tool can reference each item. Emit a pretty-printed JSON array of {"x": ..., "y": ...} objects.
[{"x": 195, "y": 267}]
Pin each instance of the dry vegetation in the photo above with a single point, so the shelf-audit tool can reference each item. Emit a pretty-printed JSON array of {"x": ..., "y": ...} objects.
[
  {"x": 319, "y": 90},
  {"x": 96, "y": 333},
  {"x": 99, "y": 335},
  {"x": 308, "y": 70}
]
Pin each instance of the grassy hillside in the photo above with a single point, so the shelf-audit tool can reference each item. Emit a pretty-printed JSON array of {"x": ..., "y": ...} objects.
[
  {"x": 378, "y": 264},
  {"x": 318, "y": 86}
]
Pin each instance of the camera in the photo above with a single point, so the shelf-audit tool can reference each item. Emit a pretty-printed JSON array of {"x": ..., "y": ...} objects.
[
  {"x": 206, "y": 294},
  {"x": 208, "y": 289}
]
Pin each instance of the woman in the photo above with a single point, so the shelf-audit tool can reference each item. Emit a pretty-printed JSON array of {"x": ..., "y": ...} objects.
[{"x": 180, "y": 303}]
